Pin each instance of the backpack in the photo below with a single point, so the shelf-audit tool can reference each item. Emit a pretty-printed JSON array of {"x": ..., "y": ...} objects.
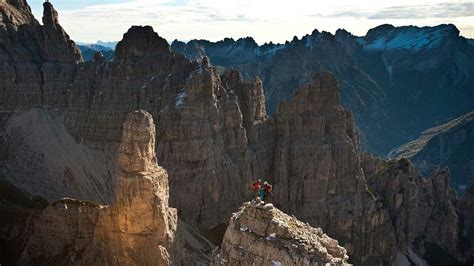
[
  {"x": 256, "y": 186},
  {"x": 269, "y": 188}
]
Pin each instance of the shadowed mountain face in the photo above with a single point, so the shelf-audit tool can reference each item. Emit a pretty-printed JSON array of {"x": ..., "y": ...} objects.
[
  {"x": 213, "y": 137},
  {"x": 450, "y": 144},
  {"x": 397, "y": 80}
]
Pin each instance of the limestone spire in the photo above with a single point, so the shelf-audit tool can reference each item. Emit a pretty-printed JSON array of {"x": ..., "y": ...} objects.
[{"x": 137, "y": 150}]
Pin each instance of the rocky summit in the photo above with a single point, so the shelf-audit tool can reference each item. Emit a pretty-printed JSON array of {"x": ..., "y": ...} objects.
[
  {"x": 64, "y": 145},
  {"x": 263, "y": 235}
]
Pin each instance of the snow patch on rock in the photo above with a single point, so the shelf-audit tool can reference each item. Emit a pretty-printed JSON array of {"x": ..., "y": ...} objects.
[{"x": 406, "y": 38}]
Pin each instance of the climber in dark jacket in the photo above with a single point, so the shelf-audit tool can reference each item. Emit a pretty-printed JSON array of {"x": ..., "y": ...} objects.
[
  {"x": 262, "y": 193},
  {"x": 265, "y": 191}
]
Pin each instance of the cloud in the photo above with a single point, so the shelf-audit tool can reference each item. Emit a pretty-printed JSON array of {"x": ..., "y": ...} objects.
[
  {"x": 164, "y": 11},
  {"x": 265, "y": 20},
  {"x": 441, "y": 10},
  {"x": 418, "y": 11}
]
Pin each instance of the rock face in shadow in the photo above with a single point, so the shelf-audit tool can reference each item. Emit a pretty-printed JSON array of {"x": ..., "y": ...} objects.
[
  {"x": 318, "y": 175},
  {"x": 141, "y": 41},
  {"x": 422, "y": 209},
  {"x": 450, "y": 144},
  {"x": 42, "y": 158},
  {"x": 139, "y": 228},
  {"x": 25, "y": 40},
  {"x": 467, "y": 216},
  {"x": 261, "y": 234},
  {"x": 16, "y": 13}
]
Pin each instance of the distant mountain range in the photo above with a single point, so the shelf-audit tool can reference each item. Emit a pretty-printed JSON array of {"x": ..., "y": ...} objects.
[
  {"x": 398, "y": 81},
  {"x": 111, "y": 45},
  {"x": 89, "y": 50}
]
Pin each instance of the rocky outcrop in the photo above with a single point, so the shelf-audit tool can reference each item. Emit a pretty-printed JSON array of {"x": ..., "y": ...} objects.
[
  {"x": 261, "y": 234},
  {"x": 317, "y": 167},
  {"x": 467, "y": 215},
  {"x": 138, "y": 229},
  {"x": 26, "y": 41},
  {"x": 16, "y": 13},
  {"x": 57, "y": 46},
  {"x": 450, "y": 144},
  {"x": 422, "y": 209},
  {"x": 141, "y": 41},
  {"x": 35, "y": 60}
]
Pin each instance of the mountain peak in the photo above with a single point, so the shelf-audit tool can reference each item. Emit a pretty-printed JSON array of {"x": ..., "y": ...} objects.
[
  {"x": 50, "y": 15},
  {"x": 16, "y": 12},
  {"x": 343, "y": 33},
  {"x": 413, "y": 38},
  {"x": 380, "y": 29},
  {"x": 248, "y": 42},
  {"x": 141, "y": 41},
  {"x": 320, "y": 94}
]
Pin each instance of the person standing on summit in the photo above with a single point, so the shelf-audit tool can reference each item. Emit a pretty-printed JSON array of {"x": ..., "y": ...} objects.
[
  {"x": 256, "y": 187},
  {"x": 265, "y": 191}
]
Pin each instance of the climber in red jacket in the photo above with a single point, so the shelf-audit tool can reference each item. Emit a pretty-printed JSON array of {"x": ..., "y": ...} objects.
[{"x": 256, "y": 186}]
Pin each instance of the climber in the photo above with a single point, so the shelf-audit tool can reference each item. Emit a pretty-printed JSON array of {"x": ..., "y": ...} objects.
[
  {"x": 267, "y": 190},
  {"x": 256, "y": 187},
  {"x": 261, "y": 193}
]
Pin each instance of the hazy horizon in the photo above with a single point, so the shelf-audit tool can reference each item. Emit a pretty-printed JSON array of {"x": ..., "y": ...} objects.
[{"x": 90, "y": 20}]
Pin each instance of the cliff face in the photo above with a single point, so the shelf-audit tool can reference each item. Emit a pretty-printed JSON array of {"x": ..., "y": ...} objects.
[
  {"x": 16, "y": 13},
  {"x": 450, "y": 144},
  {"x": 317, "y": 167},
  {"x": 422, "y": 209},
  {"x": 467, "y": 216},
  {"x": 25, "y": 40},
  {"x": 261, "y": 234},
  {"x": 139, "y": 228}
]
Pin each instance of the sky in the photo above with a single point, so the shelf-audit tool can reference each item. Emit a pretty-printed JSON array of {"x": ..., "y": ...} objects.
[{"x": 264, "y": 20}]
